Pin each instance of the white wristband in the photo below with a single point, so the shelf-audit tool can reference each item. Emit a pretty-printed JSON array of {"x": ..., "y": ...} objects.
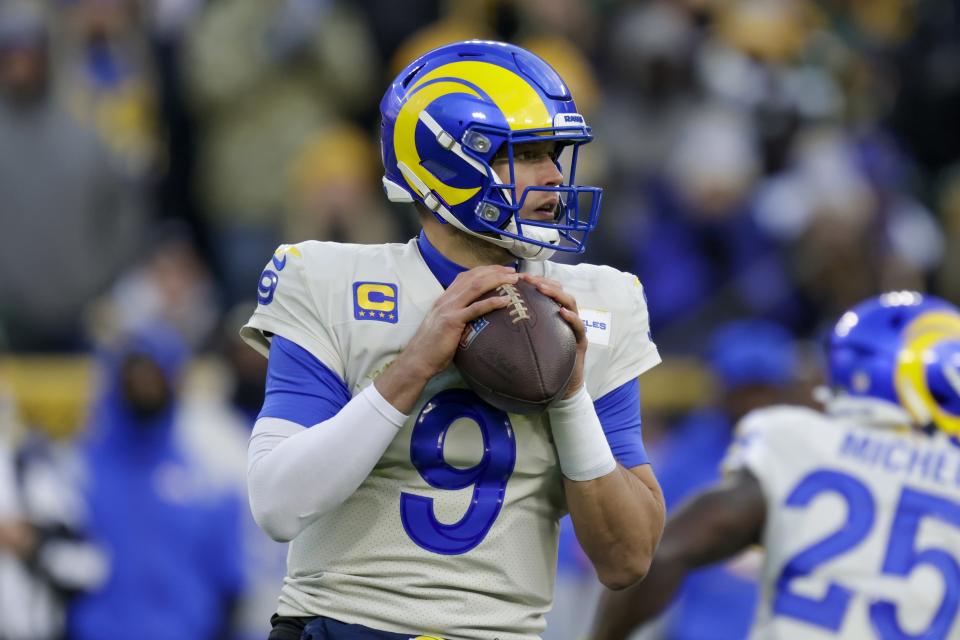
[{"x": 579, "y": 438}]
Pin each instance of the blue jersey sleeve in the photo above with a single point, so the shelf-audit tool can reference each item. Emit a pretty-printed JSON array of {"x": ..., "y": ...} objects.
[
  {"x": 300, "y": 388},
  {"x": 619, "y": 413}
]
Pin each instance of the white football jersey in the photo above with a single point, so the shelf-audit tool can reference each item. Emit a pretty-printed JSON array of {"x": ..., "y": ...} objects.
[
  {"x": 862, "y": 534},
  {"x": 454, "y": 532}
]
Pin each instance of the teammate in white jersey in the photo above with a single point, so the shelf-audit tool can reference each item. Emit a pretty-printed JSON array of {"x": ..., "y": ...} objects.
[
  {"x": 412, "y": 507},
  {"x": 857, "y": 508}
]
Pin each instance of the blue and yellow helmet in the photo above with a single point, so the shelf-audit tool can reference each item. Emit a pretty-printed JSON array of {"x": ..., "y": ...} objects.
[
  {"x": 902, "y": 347},
  {"x": 446, "y": 116}
]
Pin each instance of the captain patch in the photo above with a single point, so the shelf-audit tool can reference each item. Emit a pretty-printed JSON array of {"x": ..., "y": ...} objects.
[{"x": 375, "y": 301}]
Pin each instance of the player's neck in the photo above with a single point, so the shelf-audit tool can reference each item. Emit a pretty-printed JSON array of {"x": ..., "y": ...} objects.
[{"x": 461, "y": 248}]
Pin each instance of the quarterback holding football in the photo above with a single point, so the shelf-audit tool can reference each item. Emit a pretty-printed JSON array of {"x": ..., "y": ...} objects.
[{"x": 413, "y": 506}]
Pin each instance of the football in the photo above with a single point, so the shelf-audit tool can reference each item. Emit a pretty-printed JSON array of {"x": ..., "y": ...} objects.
[{"x": 518, "y": 358}]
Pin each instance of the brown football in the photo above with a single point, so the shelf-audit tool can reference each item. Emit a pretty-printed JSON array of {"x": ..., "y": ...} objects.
[{"x": 518, "y": 358}]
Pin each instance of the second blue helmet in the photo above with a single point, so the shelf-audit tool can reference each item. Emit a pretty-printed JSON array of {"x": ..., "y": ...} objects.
[{"x": 902, "y": 347}]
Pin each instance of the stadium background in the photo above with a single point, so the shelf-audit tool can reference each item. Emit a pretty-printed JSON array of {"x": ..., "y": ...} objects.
[{"x": 766, "y": 163}]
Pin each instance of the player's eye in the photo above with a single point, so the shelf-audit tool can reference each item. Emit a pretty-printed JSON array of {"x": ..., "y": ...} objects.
[{"x": 533, "y": 155}]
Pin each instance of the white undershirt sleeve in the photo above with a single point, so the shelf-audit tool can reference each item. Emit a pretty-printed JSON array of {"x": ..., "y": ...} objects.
[{"x": 295, "y": 474}]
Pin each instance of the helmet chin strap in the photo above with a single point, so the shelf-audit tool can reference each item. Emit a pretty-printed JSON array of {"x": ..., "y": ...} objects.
[
  {"x": 874, "y": 411},
  {"x": 530, "y": 251},
  {"x": 517, "y": 247}
]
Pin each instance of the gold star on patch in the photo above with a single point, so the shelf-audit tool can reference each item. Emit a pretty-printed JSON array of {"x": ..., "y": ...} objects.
[
  {"x": 391, "y": 316},
  {"x": 363, "y": 313},
  {"x": 382, "y": 314}
]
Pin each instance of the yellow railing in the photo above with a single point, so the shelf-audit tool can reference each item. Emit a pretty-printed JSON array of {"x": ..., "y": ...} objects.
[{"x": 53, "y": 393}]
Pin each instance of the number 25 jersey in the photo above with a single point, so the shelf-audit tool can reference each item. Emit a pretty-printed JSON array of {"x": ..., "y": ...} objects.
[
  {"x": 454, "y": 532},
  {"x": 862, "y": 533}
]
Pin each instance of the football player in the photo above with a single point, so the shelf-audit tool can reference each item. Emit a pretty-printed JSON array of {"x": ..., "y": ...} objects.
[
  {"x": 412, "y": 507},
  {"x": 857, "y": 508}
]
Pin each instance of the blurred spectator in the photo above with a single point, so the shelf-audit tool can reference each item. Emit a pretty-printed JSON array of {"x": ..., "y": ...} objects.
[
  {"x": 847, "y": 225},
  {"x": 220, "y": 406},
  {"x": 572, "y": 20},
  {"x": 755, "y": 363},
  {"x": 879, "y": 22},
  {"x": 44, "y": 557},
  {"x": 949, "y": 201},
  {"x": 108, "y": 78},
  {"x": 264, "y": 78},
  {"x": 650, "y": 91},
  {"x": 169, "y": 19},
  {"x": 760, "y": 59},
  {"x": 458, "y": 21},
  {"x": 693, "y": 241},
  {"x": 176, "y": 197},
  {"x": 391, "y": 23},
  {"x": 70, "y": 221},
  {"x": 171, "y": 286},
  {"x": 927, "y": 85},
  {"x": 769, "y": 30},
  {"x": 334, "y": 192},
  {"x": 172, "y": 535}
]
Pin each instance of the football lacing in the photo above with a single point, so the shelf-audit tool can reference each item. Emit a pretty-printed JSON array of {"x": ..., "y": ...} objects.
[{"x": 518, "y": 307}]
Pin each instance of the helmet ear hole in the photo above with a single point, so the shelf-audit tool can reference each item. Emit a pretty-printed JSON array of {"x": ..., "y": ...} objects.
[
  {"x": 443, "y": 173},
  {"x": 862, "y": 351},
  {"x": 898, "y": 321}
]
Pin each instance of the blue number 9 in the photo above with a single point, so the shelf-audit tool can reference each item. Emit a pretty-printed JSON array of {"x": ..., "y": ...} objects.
[
  {"x": 266, "y": 286},
  {"x": 489, "y": 476}
]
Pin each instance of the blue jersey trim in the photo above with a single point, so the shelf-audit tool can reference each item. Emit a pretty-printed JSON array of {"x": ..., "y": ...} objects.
[
  {"x": 619, "y": 413},
  {"x": 443, "y": 269},
  {"x": 300, "y": 388}
]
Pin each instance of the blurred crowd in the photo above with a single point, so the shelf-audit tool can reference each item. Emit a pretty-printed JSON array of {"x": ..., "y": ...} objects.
[{"x": 766, "y": 164}]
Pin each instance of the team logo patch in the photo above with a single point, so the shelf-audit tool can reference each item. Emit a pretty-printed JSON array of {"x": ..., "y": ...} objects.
[
  {"x": 375, "y": 301},
  {"x": 280, "y": 257},
  {"x": 269, "y": 278},
  {"x": 597, "y": 322}
]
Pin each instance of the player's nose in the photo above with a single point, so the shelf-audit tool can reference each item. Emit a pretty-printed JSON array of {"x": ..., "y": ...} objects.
[{"x": 549, "y": 173}]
